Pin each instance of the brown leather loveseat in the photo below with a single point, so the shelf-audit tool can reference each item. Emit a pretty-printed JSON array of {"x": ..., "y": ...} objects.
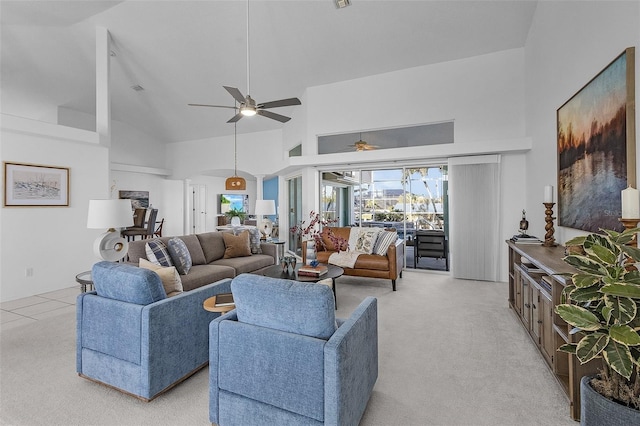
[{"x": 367, "y": 265}]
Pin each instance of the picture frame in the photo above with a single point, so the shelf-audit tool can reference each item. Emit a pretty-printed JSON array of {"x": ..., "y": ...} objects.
[
  {"x": 233, "y": 201},
  {"x": 35, "y": 185},
  {"x": 139, "y": 199},
  {"x": 597, "y": 148}
]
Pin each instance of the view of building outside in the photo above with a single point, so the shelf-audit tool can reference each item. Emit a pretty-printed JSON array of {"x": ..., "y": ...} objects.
[{"x": 404, "y": 198}]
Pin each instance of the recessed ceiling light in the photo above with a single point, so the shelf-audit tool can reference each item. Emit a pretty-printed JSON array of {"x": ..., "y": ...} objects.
[{"x": 342, "y": 3}]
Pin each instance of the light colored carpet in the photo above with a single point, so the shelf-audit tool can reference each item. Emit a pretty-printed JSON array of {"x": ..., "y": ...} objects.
[{"x": 451, "y": 353}]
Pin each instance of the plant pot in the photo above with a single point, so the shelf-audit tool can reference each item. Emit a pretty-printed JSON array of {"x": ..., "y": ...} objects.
[
  {"x": 596, "y": 410},
  {"x": 235, "y": 221}
]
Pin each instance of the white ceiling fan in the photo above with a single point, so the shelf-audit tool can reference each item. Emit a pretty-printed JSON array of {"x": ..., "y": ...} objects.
[{"x": 248, "y": 106}]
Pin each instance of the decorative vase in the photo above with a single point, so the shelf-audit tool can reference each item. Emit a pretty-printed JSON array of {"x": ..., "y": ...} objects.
[
  {"x": 235, "y": 221},
  {"x": 311, "y": 252},
  {"x": 596, "y": 410}
]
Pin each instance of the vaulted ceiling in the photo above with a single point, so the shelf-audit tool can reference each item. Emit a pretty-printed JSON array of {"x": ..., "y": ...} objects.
[{"x": 183, "y": 52}]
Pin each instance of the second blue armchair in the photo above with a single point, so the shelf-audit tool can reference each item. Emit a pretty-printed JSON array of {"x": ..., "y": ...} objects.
[{"x": 283, "y": 358}]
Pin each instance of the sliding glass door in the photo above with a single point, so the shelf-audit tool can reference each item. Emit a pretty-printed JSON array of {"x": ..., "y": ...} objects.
[
  {"x": 294, "y": 208},
  {"x": 407, "y": 199}
]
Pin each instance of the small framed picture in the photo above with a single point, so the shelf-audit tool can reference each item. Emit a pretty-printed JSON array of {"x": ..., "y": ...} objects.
[{"x": 32, "y": 185}]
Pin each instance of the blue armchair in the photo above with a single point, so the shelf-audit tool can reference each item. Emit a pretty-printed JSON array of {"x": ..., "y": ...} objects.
[
  {"x": 281, "y": 357},
  {"x": 131, "y": 337}
]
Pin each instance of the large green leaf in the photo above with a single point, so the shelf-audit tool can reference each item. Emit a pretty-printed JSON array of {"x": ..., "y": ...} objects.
[
  {"x": 631, "y": 277},
  {"x": 622, "y": 289},
  {"x": 623, "y": 309},
  {"x": 624, "y": 334},
  {"x": 568, "y": 348},
  {"x": 586, "y": 264},
  {"x": 588, "y": 294},
  {"x": 578, "y": 317},
  {"x": 577, "y": 241},
  {"x": 584, "y": 280},
  {"x": 632, "y": 252},
  {"x": 603, "y": 253},
  {"x": 590, "y": 346},
  {"x": 618, "y": 356}
]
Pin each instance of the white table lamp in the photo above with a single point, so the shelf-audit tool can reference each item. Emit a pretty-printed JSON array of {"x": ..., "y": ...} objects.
[
  {"x": 110, "y": 214},
  {"x": 265, "y": 208}
]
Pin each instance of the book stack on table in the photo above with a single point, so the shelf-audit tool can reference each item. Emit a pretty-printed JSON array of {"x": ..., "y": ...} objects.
[
  {"x": 312, "y": 271},
  {"x": 525, "y": 239}
]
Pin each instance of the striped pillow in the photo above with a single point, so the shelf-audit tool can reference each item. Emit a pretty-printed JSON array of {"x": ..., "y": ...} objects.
[
  {"x": 384, "y": 241},
  {"x": 157, "y": 253}
]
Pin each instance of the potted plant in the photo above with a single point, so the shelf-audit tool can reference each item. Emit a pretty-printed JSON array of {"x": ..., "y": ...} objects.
[
  {"x": 603, "y": 305},
  {"x": 236, "y": 216}
]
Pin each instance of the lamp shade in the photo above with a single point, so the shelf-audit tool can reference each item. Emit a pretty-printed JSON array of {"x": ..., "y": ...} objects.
[
  {"x": 113, "y": 213},
  {"x": 265, "y": 207}
]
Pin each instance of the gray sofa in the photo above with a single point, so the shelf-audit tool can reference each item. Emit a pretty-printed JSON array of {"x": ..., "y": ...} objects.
[{"x": 207, "y": 252}]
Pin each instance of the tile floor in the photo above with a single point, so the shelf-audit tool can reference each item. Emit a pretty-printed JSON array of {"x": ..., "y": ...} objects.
[{"x": 35, "y": 308}]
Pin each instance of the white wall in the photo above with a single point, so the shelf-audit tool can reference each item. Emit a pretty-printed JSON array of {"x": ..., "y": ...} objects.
[
  {"x": 258, "y": 154},
  {"x": 483, "y": 94},
  {"x": 54, "y": 241},
  {"x": 568, "y": 44}
]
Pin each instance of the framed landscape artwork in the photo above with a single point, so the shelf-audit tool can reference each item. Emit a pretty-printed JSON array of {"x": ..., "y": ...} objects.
[
  {"x": 32, "y": 185},
  {"x": 139, "y": 199},
  {"x": 596, "y": 148}
]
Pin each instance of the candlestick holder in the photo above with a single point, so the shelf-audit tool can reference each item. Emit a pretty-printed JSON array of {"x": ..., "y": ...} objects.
[
  {"x": 549, "y": 240},
  {"x": 630, "y": 224}
]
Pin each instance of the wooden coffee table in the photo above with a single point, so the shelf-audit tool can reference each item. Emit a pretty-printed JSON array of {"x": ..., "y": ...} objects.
[{"x": 333, "y": 272}]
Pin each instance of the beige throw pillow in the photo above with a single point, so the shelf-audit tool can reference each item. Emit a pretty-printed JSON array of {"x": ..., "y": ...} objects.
[
  {"x": 236, "y": 245},
  {"x": 169, "y": 275}
]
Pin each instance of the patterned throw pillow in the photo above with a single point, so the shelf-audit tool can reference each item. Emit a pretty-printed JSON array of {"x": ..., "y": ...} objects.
[
  {"x": 384, "y": 241},
  {"x": 180, "y": 255},
  {"x": 236, "y": 245},
  {"x": 168, "y": 274},
  {"x": 157, "y": 253},
  {"x": 254, "y": 240},
  {"x": 366, "y": 240}
]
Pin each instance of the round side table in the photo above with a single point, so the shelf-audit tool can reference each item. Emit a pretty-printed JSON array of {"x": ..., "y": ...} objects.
[
  {"x": 84, "y": 279},
  {"x": 222, "y": 303}
]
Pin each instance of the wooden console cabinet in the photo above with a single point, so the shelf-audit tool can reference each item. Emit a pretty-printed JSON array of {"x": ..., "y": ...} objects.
[{"x": 534, "y": 289}]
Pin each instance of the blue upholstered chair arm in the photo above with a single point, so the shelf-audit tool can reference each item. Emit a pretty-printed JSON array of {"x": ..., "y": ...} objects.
[
  {"x": 350, "y": 352},
  {"x": 175, "y": 333},
  {"x": 214, "y": 352}
]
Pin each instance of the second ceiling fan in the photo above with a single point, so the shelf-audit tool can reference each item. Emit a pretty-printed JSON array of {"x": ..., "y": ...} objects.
[{"x": 248, "y": 106}]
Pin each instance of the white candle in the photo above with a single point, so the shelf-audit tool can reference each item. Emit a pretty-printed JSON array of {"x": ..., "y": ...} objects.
[
  {"x": 548, "y": 194},
  {"x": 630, "y": 203}
]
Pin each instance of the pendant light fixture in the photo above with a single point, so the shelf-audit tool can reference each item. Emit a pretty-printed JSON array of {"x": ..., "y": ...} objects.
[{"x": 235, "y": 182}]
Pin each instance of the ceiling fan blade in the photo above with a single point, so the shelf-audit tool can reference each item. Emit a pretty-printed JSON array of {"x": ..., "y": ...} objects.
[
  {"x": 273, "y": 116},
  {"x": 235, "y": 118},
  {"x": 212, "y": 106},
  {"x": 280, "y": 103},
  {"x": 237, "y": 95}
]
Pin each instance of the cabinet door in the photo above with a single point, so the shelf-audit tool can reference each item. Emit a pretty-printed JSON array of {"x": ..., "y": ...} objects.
[
  {"x": 517, "y": 283},
  {"x": 536, "y": 322},
  {"x": 547, "y": 340},
  {"x": 526, "y": 302}
]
